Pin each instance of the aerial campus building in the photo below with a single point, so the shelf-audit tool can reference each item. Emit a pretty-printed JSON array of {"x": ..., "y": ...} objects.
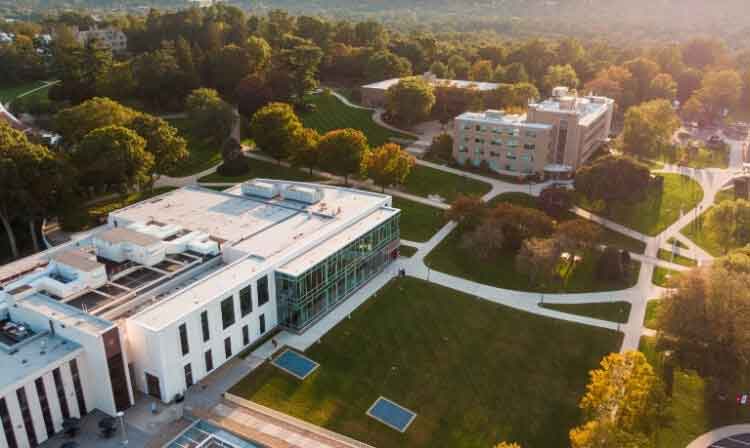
[
  {"x": 173, "y": 287},
  {"x": 552, "y": 139},
  {"x": 375, "y": 94}
]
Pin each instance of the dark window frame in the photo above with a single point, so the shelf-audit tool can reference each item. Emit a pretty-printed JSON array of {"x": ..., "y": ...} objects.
[
  {"x": 263, "y": 293},
  {"x": 184, "y": 343},
  {"x": 228, "y": 347},
  {"x": 206, "y": 330},
  {"x": 208, "y": 360},
  {"x": 228, "y": 317},
  {"x": 246, "y": 301}
]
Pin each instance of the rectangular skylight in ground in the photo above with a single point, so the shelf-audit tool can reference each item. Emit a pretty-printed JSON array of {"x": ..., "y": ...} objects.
[
  {"x": 391, "y": 414},
  {"x": 295, "y": 364}
]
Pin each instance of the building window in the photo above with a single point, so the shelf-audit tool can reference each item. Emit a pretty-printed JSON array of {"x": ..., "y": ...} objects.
[
  {"x": 209, "y": 359},
  {"x": 10, "y": 436},
  {"x": 529, "y": 146},
  {"x": 79, "y": 389},
  {"x": 188, "y": 375},
  {"x": 246, "y": 301},
  {"x": 262, "y": 323},
  {"x": 228, "y": 347},
  {"x": 227, "y": 312},
  {"x": 530, "y": 134},
  {"x": 44, "y": 404},
  {"x": 28, "y": 421},
  {"x": 510, "y": 155},
  {"x": 184, "y": 339},
  {"x": 262, "y": 291},
  {"x": 60, "y": 390},
  {"x": 204, "y": 326},
  {"x": 246, "y": 335}
]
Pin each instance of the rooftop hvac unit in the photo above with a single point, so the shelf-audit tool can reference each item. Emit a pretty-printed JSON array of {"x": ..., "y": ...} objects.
[
  {"x": 262, "y": 189},
  {"x": 491, "y": 113},
  {"x": 308, "y": 195}
]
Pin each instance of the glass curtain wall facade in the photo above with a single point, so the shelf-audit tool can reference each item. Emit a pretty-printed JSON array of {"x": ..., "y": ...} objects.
[{"x": 305, "y": 298}]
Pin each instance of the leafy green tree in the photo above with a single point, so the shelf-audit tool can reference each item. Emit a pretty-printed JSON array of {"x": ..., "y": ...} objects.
[
  {"x": 387, "y": 165},
  {"x": 315, "y": 29},
  {"x": 234, "y": 162},
  {"x": 118, "y": 83},
  {"x": 693, "y": 109},
  {"x": 301, "y": 64},
  {"x": 663, "y": 86},
  {"x": 228, "y": 66},
  {"x": 538, "y": 259},
  {"x": 78, "y": 69},
  {"x": 643, "y": 70},
  {"x": 75, "y": 122},
  {"x": 720, "y": 90},
  {"x": 649, "y": 127},
  {"x": 701, "y": 52},
  {"x": 276, "y": 129},
  {"x": 252, "y": 93},
  {"x": 729, "y": 223},
  {"x": 341, "y": 151},
  {"x": 577, "y": 235},
  {"x": 210, "y": 116},
  {"x": 370, "y": 34},
  {"x": 468, "y": 211},
  {"x": 451, "y": 101},
  {"x": 560, "y": 75},
  {"x": 615, "y": 82},
  {"x": 459, "y": 66},
  {"x": 385, "y": 65},
  {"x": 613, "y": 179},
  {"x": 113, "y": 157},
  {"x": 410, "y": 100},
  {"x": 305, "y": 151},
  {"x": 19, "y": 61},
  {"x": 441, "y": 147},
  {"x": 163, "y": 142},
  {"x": 482, "y": 70},
  {"x": 259, "y": 54},
  {"x": 158, "y": 76},
  {"x": 515, "y": 73},
  {"x": 441, "y": 70}
]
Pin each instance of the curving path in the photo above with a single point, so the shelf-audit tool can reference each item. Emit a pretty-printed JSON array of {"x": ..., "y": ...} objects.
[{"x": 734, "y": 436}]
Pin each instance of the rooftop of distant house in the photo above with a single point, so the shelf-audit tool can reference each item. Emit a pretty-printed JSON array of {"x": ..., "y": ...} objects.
[{"x": 435, "y": 81}]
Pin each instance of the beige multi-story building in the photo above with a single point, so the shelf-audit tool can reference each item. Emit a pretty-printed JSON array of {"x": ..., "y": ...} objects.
[
  {"x": 553, "y": 139},
  {"x": 112, "y": 38}
]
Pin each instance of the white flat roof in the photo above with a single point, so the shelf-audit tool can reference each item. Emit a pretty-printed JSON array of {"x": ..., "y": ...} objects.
[
  {"x": 503, "y": 120},
  {"x": 322, "y": 251},
  {"x": 78, "y": 259},
  {"x": 122, "y": 235},
  {"x": 588, "y": 108},
  {"x": 38, "y": 353},
  {"x": 482, "y": 86}
]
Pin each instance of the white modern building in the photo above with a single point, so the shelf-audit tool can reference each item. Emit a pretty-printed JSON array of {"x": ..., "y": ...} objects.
[
  {"x": 173, "y": 287},
  {"x": 552, "y": 139},
  {"x": 374, "y": 94}
]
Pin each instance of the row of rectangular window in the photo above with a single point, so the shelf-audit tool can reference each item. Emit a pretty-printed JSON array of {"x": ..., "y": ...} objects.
[
  {"x": 182, "y": 329},
  {"x": 496, "y": 130}
]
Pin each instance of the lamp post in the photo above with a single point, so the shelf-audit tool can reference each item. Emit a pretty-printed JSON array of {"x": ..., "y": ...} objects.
[{"x": 121, "y": 416}]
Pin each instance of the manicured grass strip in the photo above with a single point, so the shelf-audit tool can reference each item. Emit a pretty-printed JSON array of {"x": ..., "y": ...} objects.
[
  {"x": 332, "y": 114},
  {"x": 666, "y": 255},
  {"x": 609, "y": 237},
  {"x": 659, "y": 209},
  {"x": 661, "y": 276},
  {"x": 91, "y": 216},
  {"x": 702, "y": 158},
  {"x": 266, "y": 170},
  {"x": 203, "y": 154},
  {"x": 451, "y": 258},
  {"x": 425, "y": 181},
  {"x": 419, "y": 222},
  {"x": 474, "y": 372},
  {"x": 407, "y": 251},
  {"x": 613, "y": 311},
  {"x": 11, "y": 92},
  {"x": 676, "y": 242},
  {"x": 653, "y": 308},
  {"x": 700, "y": 234}
]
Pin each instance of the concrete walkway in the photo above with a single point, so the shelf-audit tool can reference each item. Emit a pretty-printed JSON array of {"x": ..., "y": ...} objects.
[{"x": 708, "y": 439}]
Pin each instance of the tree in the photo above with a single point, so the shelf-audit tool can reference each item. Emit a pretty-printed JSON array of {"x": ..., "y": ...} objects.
[
  {"x": 451, "y": 101},
  {"x": 210, "y": 116},
  {"x": 468, "y": 211},
  {"x": 538, "y": 259},
  {"x": 729, "y": 223},
  {"x": 482, "y": 71},
  {"x": 484, "y": 241},
  {"x": 623, "y": 402},
  {"x": 301, "y": 66},
  {"x": 163, "y": 142},
  {"x": 515, "y": 73},
  {"x": 159, "y": 78},
  {"x": 441, "y": 147},
  {"x": 720, "y": 91},
  {"x": 519, "y": 223},
  {"x": 615, "y": 82},
  {"x": 613, "y": 179},
  {"x": 228, "y": 66},
  {"x": 643, "y": 71},
  {"x": 459, "y": 66},
  {"x": 305, "y": 151},
  {"x": 234, "y": 162},
  {"x": 649, "y": 127},
  {"x": 577, "y": 235},
  {"x": 441, "y": 70},
  {"x": 663, "y": 86},
  {"x": 251, "y": 94},
  {"x": 387, "y": 165},
  {"x": 560, "y": 75},
  {"x": 315, "y": 29},
  {"x": 341, "y": 151},
  {"x": 78, "y": 69},
  {"x": 693, "y": 109},
  {"x": 75, "y": 122},
  {"x": 410, "y": 100},
  {"x": 556, "y": 201},
  {"x": 385, "y": 65},
  {"x": 113, "y": 157},
  {"x": 701, "y": 52},
  {"x": 688, "y": 82},
  {"x": 259, "y": 54},
  {"x": 275, "y": 128}
]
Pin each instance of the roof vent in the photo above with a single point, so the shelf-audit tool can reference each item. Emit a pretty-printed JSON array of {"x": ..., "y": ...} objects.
[{"x": 308, "y": 195}]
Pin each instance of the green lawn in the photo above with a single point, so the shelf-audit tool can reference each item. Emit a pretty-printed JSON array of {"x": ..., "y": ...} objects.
[
  {"x": 425, "y": 181},
  {"x": 418, "y": 221},
  {"x": 10, "y": 92},
  {"x": 659, "y": 209},
  {"x": 266, "y": 170},
  {"x": 333, "y": 114},
  {"x": 612, "y": 311},
  {"x": 653, "y": 308},
  {"x": 609, "y": 237},
  {"x": 407, "y": 251},
  {"x": 449, "y": 257},
  {"x": 91, "y": 216},
  {"x": 666, "y": 255},
  {"x": 203, "y": 154},
  {"x": 700, "y": 234},
  {"x": 676, "y": 242},
  {"x": 703, "y": 157},
  {"x": 474, "y": 372},
  {"x": 659, "y": 277}
]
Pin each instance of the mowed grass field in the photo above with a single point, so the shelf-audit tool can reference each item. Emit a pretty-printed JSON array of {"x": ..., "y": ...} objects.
[
  {"x": 10, "y": 92},
  {"x": 659, "y": 209},
  {"x": 425, "y": 181},
  {"x": 332, "y": 114},
  {"x": 202, "y": 154},
  {"x": 418, "y": 221},
  {"x": 476, "y": 373}
]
